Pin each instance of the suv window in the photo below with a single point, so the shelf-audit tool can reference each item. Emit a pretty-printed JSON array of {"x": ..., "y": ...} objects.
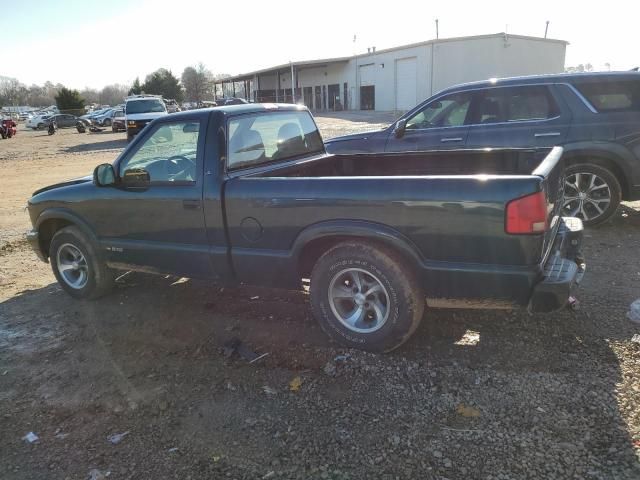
[
  {"x": 514, "y": 104},
  {"x": 449, "y": 111},
  {"x": 151, "y": 105},
  {"x": 264, "y": 137},
  {"x": 612, "y": 96},
  {"x": 169, "y": 154}
]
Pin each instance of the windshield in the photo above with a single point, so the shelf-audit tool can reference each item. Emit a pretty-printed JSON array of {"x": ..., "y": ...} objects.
[
  {"x": 152, "y": 105},
  {"x": 265, "y": 137}
]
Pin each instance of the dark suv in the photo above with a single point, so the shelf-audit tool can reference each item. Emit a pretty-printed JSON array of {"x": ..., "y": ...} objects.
[{"x": 594, "y": 116}]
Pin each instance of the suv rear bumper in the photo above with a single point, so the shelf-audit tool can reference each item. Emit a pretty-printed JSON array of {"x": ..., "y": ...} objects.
[{"x": 562, "y": 271}]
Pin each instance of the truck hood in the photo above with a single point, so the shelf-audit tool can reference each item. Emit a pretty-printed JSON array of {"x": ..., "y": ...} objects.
[{"x": 75, "y": 181}]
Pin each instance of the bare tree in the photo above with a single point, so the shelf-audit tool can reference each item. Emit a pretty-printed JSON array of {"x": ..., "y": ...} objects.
[
  {"x": 113, "y": 94},
  {"x": 198, "y": 83}
]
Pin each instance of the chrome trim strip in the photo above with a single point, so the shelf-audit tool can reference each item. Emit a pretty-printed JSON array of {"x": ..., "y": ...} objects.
[
  {"x": 547, "y": 134},
  {"x": 454, "y": 139},
  {"x": 586, "y": 102}
]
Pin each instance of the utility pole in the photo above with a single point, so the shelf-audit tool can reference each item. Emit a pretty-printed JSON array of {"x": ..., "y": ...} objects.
[
  {"x": 546, "y": 29},
  {"x": 437, "y": 30}
]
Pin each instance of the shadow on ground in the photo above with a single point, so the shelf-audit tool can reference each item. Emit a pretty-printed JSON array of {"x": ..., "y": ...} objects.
[{"x": 98, "y": 145}]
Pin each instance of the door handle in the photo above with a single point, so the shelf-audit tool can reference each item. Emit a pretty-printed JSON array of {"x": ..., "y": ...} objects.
[
  {"x": 451, "y": 139},
  {"x": 547, "y": 134},
  {"x": 191, "y": 204}
]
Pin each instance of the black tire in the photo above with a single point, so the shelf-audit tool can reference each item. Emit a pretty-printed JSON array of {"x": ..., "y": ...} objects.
[
  {"x": 594, "y": 202},
  {"x": 106, "y": 122},
  {"x": 99, "y": 278},
  {"x": 405, "y": 299},
  {"x": 114, "y": 129},
  {"x": 129, "y": 137},
  {"x": 40, "y": 126}
]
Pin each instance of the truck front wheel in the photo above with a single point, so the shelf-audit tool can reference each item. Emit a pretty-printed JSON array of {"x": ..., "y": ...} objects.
[
  {"x": 366, "y": 296},
  {"x": 76, "y": 265}
]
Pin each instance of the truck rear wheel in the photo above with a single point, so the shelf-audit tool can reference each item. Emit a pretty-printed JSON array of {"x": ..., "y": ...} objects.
[
  {"x": 77, "y": 266},
  {"x": 591, "y": 193},
  {"x": 366, "y": 296}
]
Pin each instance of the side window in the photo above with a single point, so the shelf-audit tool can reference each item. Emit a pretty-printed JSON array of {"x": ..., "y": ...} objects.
[
  {"x": 169, "y": 154},
  {"x": 449, "y": 111},
  {"x": 514, "y": 104},
  {"x": 612, "y": 96}
]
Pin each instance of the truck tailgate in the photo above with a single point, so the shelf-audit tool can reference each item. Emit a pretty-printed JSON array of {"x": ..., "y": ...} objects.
[{"x": 551, "y": 170}]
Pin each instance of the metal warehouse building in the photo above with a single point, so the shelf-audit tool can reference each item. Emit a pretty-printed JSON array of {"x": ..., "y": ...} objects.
[{"x": 398, "y": 78}]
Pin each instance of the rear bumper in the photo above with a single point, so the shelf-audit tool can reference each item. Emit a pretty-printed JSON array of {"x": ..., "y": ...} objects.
[
  {"x": 34, "y": 241},
  {"x": 562, "y": 271}
]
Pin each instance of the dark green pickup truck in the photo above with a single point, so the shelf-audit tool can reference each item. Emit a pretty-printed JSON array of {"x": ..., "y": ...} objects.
[{"x": 247, "y": 194}]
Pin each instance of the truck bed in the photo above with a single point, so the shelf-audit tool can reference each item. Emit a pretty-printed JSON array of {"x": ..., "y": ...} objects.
[
  {"x": 458, "y": 162},
  {"x": 449, "y": 206}
]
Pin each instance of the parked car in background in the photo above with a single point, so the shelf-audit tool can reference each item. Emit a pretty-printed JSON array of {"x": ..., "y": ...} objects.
[
  {"x": 223, "y": 102},
  {"x": 103, "y": 119},
  {"x": 172, "y": 105},
  {"x": 118, "y": 121},
  {"x": 594, "y": 116},
  {"x": 37, "y": 122},
  {"x": 140, "y": 110},
  {"x": 375, "y": 234},
  {"x": 63, "y": 120}
]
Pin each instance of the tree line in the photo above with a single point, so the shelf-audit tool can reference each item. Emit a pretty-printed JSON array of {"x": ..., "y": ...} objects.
[{"x": 196, "y": 84}]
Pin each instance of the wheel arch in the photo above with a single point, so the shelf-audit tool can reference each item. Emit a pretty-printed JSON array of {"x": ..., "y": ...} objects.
[
  {"x": 607, "y": 156},
  {"x": 316, "y": 239},
  {"x": 51, "y": 221}
]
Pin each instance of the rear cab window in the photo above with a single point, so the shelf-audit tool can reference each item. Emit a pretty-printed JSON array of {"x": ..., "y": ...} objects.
[
  {"x": 612, "y": 96},
  {"x": 264, "y": 137}
]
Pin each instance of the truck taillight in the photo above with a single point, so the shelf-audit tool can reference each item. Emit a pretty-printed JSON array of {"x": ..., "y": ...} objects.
[{"x": 527, "y": 215}]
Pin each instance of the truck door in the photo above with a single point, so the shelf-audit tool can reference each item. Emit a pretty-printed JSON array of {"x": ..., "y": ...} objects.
[
  {"x": 524, "y": 116},
  {"x": 161, "y": 226},
  {"x": 440, "y": 125}
]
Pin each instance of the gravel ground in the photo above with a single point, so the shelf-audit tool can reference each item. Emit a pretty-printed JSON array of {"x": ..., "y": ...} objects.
[{"x": 487, "y": 395}]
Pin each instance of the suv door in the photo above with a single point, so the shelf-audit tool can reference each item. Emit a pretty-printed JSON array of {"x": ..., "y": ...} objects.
[
  {"x": 522, "y": 116},
  {"x": 161, "y": 226},
  {"x": 441, "y": 124}
]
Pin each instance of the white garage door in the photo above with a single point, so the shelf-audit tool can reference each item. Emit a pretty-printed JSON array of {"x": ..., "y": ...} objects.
[
  {"x": 406, "y": 83},
  {"x": 367, "y": 75}
]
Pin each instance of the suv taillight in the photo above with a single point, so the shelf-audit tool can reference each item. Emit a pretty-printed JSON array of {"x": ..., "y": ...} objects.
[{"x": 527, "y": 215}]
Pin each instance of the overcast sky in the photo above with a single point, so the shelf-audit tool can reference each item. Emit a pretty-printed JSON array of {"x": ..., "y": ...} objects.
[{"x": 93, "y": 43}]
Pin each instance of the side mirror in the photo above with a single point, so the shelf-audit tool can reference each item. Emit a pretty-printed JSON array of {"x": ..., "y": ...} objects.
[
  {"x": 400, "y": 128},
  {"x": 137, "y": 178},
  {"x": 104, "y": 175}
]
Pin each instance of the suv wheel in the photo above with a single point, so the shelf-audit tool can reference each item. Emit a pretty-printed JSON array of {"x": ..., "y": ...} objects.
[
  {"x": 76, "y": 265},
  {"x": 366, "y": 297},
  {"x": 107, "y": 122},
  {"x": 592, "y": 193}
]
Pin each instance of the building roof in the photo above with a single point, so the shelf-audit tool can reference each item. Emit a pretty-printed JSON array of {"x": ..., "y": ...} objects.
[{"x": 324, "y": 61}]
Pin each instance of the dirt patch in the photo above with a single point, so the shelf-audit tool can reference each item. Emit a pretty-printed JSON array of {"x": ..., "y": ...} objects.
[{"x": 473, "y": 395}]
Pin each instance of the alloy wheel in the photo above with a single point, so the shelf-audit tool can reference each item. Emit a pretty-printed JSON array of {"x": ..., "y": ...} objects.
[
  {"x": 587, "y": 196},
  {"x": 359, "y": 300}
]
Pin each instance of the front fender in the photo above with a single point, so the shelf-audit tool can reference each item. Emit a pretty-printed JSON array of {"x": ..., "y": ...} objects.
[{"x": 65, "y": 215}]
